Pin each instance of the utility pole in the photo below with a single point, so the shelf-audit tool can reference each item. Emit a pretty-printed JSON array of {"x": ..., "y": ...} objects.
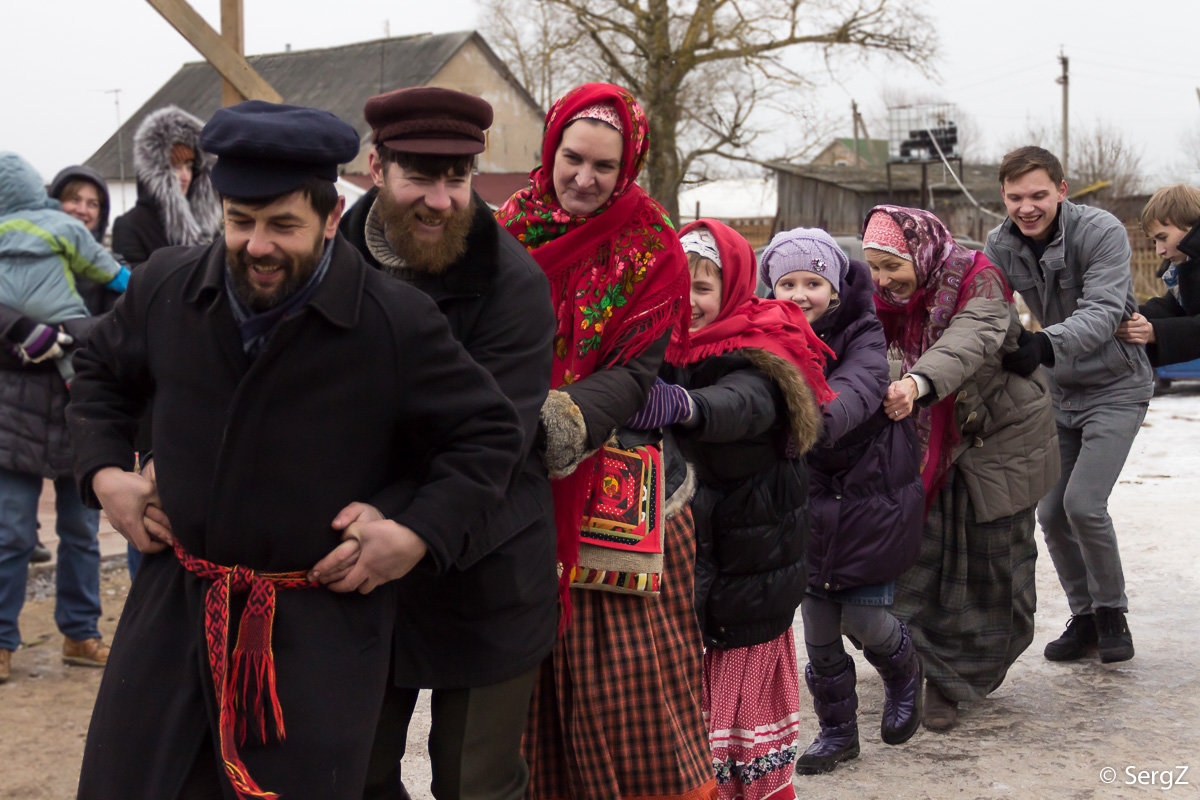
[
  {"x": 116, "y": 93},
  {"x": 854, "y": 118},
  {"x": 1066, "y": 132}
]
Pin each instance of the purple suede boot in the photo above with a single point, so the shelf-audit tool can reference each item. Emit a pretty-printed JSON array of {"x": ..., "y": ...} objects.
[
  {"x": 904, "y": 702},
  {"x": 836, "y": 704}
]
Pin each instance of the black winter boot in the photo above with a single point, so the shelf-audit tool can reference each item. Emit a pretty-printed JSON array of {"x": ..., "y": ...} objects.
[
  {"x": 1115, "y": 642},
  {"x": 1077, "y": 641},
  {"x": 904, "y": 702},
  {"x": 836, "y": 704}
]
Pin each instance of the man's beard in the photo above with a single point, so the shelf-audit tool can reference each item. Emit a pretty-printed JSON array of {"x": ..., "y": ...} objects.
[
  {"x": 297, "y": 269},
  {"x": 423, "y": 256}
]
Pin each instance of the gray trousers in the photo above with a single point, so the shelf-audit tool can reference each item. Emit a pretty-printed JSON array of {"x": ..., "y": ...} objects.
[
  {"x": 474, "y": 741},
  {"x": 1074, "y": 515}
]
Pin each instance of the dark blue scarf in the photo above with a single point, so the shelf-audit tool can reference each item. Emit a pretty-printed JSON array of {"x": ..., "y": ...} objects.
[{"x": 256, "y": 329}]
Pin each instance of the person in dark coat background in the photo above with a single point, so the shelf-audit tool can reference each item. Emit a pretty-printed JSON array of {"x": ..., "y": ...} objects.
[
  {"x": 867, "y": 501},
  {"x": 250, "y": 351},
  {"x": 474, "y": 634},
  {"x": 176, "y": 203}
]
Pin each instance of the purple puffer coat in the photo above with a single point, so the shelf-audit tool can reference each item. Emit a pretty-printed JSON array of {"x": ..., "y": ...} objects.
[{"x": 867, "y": 501}]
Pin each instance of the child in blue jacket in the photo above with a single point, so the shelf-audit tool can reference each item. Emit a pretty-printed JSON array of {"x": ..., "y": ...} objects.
[{"x": 42, "y": 250}]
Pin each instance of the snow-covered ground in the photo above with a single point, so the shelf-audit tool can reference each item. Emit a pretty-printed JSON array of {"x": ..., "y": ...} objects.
[{"x": 1074, "y": 730}]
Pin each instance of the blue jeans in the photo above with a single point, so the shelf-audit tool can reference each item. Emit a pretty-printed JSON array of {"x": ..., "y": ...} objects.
[{"x": 78, "y": 574}]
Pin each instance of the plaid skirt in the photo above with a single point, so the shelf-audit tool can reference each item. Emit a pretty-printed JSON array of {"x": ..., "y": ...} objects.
[
  {"x": 969, "y": 599},
  {"x": 616, "y": 710},
  {"x": 752, "y": 706}
]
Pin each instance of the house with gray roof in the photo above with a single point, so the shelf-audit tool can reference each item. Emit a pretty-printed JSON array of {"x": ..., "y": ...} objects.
[{"x": 340, "y": 79}]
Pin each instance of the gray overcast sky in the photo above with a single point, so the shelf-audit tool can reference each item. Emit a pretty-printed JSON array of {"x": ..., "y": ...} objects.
[{"x": 999, "y": 60}]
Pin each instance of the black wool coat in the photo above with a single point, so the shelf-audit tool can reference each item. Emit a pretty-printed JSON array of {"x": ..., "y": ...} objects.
[
  {"x": 139, "y": 231},
  {"x": 493, "y": 614},
  {"x": 359, "y": 396}
]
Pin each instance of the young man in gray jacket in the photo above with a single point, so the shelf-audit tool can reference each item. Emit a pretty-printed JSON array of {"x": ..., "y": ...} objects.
[{"x": 1070, "y": 263}]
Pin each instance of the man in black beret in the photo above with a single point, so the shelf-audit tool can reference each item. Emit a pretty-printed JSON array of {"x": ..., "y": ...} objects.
[
  {"x": 299, "y": 399},
  {"x": 475, "y": 633}
]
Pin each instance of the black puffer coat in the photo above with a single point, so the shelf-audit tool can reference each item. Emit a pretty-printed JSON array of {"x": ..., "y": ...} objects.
[
  {"x": 867, "y": 496},
  {"x": 751, "y": 502}
]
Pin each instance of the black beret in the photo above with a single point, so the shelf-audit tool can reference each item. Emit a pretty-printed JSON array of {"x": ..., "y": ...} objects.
[
  {"x": 267, "y": 149},
  {"x": 427, "y": 119}
]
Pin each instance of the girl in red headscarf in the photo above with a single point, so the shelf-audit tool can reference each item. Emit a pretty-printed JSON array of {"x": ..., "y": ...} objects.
[
  {"x": 616, "y": 710},
  {"x": 738, "y": 403},
  {"x": 989, "y": 454}
]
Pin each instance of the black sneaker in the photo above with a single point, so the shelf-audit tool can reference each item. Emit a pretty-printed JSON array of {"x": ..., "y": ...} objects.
[
  {"x": 1116, "y": 642},
  {"x": 1077, "y": 641},
  {"x": 40, "y": 554}
]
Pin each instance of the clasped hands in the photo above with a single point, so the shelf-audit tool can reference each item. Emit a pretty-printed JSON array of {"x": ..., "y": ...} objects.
[{"x": 373, "y": 550}]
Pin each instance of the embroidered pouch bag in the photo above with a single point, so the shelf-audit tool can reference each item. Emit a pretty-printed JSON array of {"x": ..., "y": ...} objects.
[{"x": 621, "y": 539}]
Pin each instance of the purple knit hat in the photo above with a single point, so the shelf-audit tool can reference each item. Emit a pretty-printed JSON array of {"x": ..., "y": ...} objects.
[{"x": 808, "y": 249}]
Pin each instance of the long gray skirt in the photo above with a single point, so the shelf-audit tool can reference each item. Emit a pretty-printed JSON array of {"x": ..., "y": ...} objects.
[{"x": 970, "y": 598}]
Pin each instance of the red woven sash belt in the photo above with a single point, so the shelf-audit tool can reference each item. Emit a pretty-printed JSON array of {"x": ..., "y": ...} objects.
[{"x": 244, "y": 681}]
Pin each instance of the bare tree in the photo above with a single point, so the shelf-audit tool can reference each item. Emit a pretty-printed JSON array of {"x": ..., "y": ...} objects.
[
  {"x": 1103, "y": 152},
  {"x": 1100, "y": 152},
  {"x": 1189, "y": 141},
  {"x": 544, "y": 47},
  {"x": 703, "y": 69}
]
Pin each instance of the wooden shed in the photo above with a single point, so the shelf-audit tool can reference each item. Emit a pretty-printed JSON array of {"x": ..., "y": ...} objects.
[{"x": 837, "y": 198}]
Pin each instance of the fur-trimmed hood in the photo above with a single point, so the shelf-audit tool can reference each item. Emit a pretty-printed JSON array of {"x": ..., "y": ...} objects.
[
  {"x": 186, "y": 221},
  {"x": 804, "y": 417}
]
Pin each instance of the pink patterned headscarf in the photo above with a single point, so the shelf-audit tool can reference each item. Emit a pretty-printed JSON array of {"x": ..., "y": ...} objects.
[{"x": 883, "y": 233}]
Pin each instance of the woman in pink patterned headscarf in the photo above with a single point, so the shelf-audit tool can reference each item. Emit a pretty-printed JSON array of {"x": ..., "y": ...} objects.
[{"x": 989, "y": 453}]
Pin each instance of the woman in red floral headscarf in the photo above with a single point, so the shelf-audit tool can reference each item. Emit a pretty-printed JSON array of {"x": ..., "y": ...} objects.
[
  {"x": 989, "y": 454},
  {"x": 616, "y": 711}
]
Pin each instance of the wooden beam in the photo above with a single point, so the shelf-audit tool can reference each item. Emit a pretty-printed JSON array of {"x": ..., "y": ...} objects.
[
  {"x": 233, "y": 32},
  {"x": 228, "y": 62}
]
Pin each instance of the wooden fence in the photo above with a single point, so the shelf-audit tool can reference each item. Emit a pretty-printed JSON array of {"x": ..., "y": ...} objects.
[{"x": 1144, "y": 264}]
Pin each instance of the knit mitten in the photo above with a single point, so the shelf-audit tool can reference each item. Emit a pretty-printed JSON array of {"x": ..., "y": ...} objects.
[
  {"x": 667, "y": 404},
  {"x": 34, "y": 342}
]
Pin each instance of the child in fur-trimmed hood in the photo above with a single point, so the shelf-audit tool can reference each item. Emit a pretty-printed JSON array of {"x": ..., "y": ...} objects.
[
  {"x": 176, "y": 204},
  {"x": 741, "y": 404}
]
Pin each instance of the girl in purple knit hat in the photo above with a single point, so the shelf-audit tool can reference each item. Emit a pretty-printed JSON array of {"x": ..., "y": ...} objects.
[{"x": 866, "y": 502}]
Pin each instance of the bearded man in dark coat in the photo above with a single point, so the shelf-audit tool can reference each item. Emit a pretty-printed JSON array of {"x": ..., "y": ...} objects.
[
  {"x": 291, "y": 385},
  {"x": 474, "y": 633}
]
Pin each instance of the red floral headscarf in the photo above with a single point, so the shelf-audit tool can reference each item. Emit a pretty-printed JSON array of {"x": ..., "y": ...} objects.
[
  {"x": 946, "y": 279},
  {"x": 618, "y": 276}
]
